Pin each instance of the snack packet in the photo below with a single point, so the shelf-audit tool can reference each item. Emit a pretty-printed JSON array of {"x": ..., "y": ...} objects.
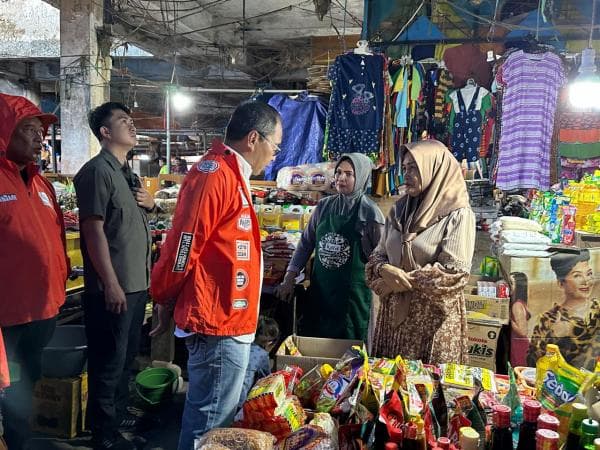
[
  {"x": 291, "y": 376},
  {"x": 336, "y": 388},
  {"x": 310, "y": 385},
  {"x": 392, "y": 415},
  {"x": 288, "y": 347},
  {"x": 236, "y": 439},
  {"x": 329, "y": 426},
  {"x": 266, "y": 396},
  {"x": 464, "y": 377},
  {"x": 307, "y": 437}
]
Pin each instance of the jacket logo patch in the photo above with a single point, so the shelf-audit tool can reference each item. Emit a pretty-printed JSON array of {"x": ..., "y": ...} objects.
[
  {"x": 5, "y": 198},
  {"x": 241, "y": 279},
  {"x": 183, "y": 252},
  {"x": 242, "y": 250},
  {"x": 45, "y": 199},
  {"x": 244, "y": 199},
  {"x": 208, "y": 166},
  {"x": 244, "y": 222},
  {"x": 240, "y": 303}
]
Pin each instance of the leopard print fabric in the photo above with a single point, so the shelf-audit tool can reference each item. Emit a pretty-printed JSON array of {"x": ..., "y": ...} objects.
[{"x": 577, "y": 337}]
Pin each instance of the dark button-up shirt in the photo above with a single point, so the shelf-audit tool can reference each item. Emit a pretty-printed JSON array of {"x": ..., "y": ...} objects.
[{"x": 104, "y": 189}]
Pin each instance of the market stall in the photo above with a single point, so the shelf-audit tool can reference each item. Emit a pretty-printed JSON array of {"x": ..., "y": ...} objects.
[{"x": 353, "y": 401}]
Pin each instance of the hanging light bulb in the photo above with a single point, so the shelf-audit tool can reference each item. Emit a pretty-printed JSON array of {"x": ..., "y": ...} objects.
[
  {"x": 584, "y": 92},
  {"x": 181, "y": 101}
]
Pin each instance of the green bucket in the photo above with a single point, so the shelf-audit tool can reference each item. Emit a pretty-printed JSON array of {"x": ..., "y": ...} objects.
[{"x": 155, "y": 385}]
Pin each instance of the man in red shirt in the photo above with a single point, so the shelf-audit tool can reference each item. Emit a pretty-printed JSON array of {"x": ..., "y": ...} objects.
[
  {"x": 33, "y": 260},
  {"x": 210, "y": 268}
]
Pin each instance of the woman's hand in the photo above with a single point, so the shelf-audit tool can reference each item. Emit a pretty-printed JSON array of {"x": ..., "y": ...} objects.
[
  {"x": 381, "y": 288},
  {"x": 396, "y": 279},
  {"x": 285, "y": 291}
]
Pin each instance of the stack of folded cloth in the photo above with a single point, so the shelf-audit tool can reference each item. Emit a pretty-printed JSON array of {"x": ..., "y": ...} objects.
[{"x": 514, "y": 236}]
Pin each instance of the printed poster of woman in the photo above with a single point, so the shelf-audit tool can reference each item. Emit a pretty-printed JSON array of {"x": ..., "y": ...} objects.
[{"x": 573, "y": 319}]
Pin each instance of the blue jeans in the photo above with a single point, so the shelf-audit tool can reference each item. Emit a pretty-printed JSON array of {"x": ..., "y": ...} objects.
[{"x": 216, "y": 369}]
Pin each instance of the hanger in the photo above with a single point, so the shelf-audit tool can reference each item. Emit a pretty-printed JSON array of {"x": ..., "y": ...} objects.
[
  {"x": 471, "y": 83},
  {"x": 534, "y": 46},
  {"x": 362, "y": 48},
  {"x": 406, "y": 60}
]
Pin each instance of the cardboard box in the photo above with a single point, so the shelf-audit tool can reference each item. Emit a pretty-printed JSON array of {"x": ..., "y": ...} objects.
[
  {"x": 59, "y": 406},
  {"x": 493, "y": 307},
  {"x": 482, "y": 337},
  {"x": 314, "y": 351}
]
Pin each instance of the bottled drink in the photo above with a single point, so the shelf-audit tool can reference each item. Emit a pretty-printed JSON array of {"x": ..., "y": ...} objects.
[
  {"x": 531, "y": 412},
  {"x": 421, "y": 439},
  {"x": 548, "y": 422},
  {"x": 501, "y": 432},
  {"x": 444, "y": 443},
  {"x": 410, "y": 441},
  {"x": 468, "y": 439},
  {"x": 546, "y": 440},
  {"x": 589, "y": 432},
  {"x": 578, "y": 413}
]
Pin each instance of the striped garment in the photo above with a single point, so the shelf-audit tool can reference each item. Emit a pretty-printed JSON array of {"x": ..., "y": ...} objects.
[
  {"x": 444, "y": 85},
  {"x": 532, "y": 83}
]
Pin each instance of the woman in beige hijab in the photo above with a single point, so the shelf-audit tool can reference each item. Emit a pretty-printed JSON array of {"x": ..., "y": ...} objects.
[{"x": 423, "y": 261}]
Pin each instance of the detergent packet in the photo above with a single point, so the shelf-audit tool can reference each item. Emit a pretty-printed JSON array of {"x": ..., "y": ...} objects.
[{"x": 560, "y": 382}]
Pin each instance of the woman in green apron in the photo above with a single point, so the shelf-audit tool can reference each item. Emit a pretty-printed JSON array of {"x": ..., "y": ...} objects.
[{"x": 343, "y": 231}]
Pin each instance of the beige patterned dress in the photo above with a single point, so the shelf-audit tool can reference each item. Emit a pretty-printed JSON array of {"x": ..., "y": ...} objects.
[{"x": 428, "y": 322}]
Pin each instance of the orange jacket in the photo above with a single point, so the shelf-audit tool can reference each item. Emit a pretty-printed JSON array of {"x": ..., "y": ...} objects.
[
  {"x": 33, "y": 259},
  {"x": 4, "y": 375},
  {"x": 210, "y": 262}
]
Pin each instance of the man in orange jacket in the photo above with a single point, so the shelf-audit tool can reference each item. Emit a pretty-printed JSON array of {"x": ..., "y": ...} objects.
[
  {"x": 210, "y": 268},
  {"x": 33, "y": 260}
]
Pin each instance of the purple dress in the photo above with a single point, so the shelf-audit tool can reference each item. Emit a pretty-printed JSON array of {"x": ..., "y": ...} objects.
[{"x": 532, "y": 83}]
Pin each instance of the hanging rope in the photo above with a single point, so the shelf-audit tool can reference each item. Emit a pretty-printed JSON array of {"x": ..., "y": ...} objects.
[
  {"x": 492, "y": 30},
  {"x": 406, "y": 25},
  {"x": 537, "y": 25},
  {"x": 593, "y": 23}
]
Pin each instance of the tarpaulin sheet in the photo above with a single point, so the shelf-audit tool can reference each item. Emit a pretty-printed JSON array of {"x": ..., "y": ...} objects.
[{"x": 303, "y": 131}]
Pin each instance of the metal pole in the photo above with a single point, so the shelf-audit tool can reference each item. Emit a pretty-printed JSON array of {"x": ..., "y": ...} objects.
[
  {"x": 243, "y": 91},
  {"x": 168, "y": 108},
  {"x": 54, "y": 160}
]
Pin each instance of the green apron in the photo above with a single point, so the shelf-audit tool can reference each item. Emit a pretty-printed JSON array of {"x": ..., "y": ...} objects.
[{"x": 340, "y": 301}]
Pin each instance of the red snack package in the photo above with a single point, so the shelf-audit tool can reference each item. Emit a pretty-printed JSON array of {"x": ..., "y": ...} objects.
[{"x": 392, "y": 414}]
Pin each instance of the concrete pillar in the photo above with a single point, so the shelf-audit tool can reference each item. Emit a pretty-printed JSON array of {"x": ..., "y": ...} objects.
[{"x": 85, "y": 78}]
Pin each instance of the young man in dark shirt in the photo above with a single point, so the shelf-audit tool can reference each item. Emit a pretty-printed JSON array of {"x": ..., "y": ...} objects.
[{"x": 116, "y": 245}]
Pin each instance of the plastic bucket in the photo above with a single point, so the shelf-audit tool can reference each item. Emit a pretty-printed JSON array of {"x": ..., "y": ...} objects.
[{"x": 155, "y": 385}]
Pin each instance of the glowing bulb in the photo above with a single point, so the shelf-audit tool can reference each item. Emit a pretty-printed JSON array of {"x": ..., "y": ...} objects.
[
  {"x": 584, "y": 92},
  {"x": 181, "y": 101}
]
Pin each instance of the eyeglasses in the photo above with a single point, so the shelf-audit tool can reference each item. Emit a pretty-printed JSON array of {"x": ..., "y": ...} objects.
[
  {"x": 273, "y": 144},
  {"x": 31, "y": 130}
]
